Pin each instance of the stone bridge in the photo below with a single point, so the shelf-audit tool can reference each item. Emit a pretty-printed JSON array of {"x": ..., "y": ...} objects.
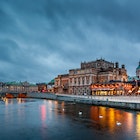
[{"x": 13, "y": 94}]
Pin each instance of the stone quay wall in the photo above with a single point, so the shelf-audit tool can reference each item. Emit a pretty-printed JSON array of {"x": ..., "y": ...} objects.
[{"x": 124, "y": 102}]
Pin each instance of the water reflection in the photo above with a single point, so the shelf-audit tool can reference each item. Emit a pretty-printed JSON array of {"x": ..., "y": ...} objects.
[
  {"x": 43, "y": 113},
  {"x": 12, "y": 101},
  {"x": 20, "y": 100},
  {"x": 7, "y": 101},
  {"x": 138, "y": 125},
  {"x": 111, "y": 116},
  {"x": 43, "y": 119},
  {"x": 131, "y": 121},
  {"x": 108, "y": 123},
  {"x": 48, "y": 119}
]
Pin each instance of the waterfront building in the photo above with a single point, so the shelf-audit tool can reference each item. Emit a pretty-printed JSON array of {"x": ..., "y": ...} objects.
[
  {"x": 62, "y": 84},
  {"x": 135, "y": 80},
  {"x": 112, "y": 88},
  {"x": 33, "y": 88},
  {"x": 79, "y": 80},
  {"x": 20, "y": 87},
  {"x": 50, "y": 86},
  {"x": 42, "y": 87}
]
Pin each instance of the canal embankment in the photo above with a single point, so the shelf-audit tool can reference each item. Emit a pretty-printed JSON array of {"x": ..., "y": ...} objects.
[{"x": 125, "y": 102}]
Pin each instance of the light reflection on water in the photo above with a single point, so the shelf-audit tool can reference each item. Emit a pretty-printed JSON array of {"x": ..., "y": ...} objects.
[
  {"x": 45, "y": 119},
  {"x": 138, "y": 125}
]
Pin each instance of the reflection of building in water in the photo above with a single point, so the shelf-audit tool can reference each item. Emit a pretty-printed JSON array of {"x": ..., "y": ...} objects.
[
  {"x": 94, "y": 113},
  {"x": 43, "y": 113},
  {"x": 108, "y": 120},
  {"x": 131, "y": 121},
  {"x": 138, "y": 125},
  {"x": 20, "y": 100},
  {"x": 111, "y": 116}
]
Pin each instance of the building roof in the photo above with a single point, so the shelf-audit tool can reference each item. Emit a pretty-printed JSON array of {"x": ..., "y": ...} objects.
[
  {"x": 138, "y": 66},
  {"x": 51, "y": 82},
  {"x": 33, "y": 85},
  {"x": 132, "y": 78},
  {"x": 13, "y": 83}
]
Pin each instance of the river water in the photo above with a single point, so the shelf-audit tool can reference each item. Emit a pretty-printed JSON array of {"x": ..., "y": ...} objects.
[{"x": 40, "y": 119}]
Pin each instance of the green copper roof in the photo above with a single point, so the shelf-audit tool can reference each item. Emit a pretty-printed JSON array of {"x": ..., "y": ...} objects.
[
  {"x": 132, "y": 78},
  {"x": 138, "y": 67},
  {"x": 51, "y": 82},
  {"x": 31, "y": 84},
  {"x": 13, "y": 83}
]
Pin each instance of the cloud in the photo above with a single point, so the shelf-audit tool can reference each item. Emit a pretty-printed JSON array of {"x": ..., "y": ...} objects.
[{"x": 43, "y": 38}]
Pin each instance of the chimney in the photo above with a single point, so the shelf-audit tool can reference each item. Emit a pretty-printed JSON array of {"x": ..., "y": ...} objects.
[
  {"x": 117, "y": 65},
  {"x": 123, "y": 66}
]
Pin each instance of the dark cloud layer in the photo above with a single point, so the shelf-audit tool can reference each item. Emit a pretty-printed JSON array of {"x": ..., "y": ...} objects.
[{"x": 40, "y": 39}]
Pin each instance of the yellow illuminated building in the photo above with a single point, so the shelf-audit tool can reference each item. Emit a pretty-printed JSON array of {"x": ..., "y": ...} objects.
[{"x": 112, "y": 88}]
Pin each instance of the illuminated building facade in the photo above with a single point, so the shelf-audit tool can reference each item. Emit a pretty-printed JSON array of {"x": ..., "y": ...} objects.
[
  {"x": 42, "y": 87},
  {"x": 62, "y": 84},
  {"x": 112, "y": 88},
  {"x": 50, "y": 86},
  {"x": 79, "y": 81}
]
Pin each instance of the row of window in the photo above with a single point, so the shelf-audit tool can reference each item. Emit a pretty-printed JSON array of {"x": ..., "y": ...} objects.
[
  {"x": 80, "y": 80},
  {"x": 81, "y": 91}
]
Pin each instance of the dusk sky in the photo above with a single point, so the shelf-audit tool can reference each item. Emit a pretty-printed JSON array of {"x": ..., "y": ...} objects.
[{"x": 40, "y": 39}]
